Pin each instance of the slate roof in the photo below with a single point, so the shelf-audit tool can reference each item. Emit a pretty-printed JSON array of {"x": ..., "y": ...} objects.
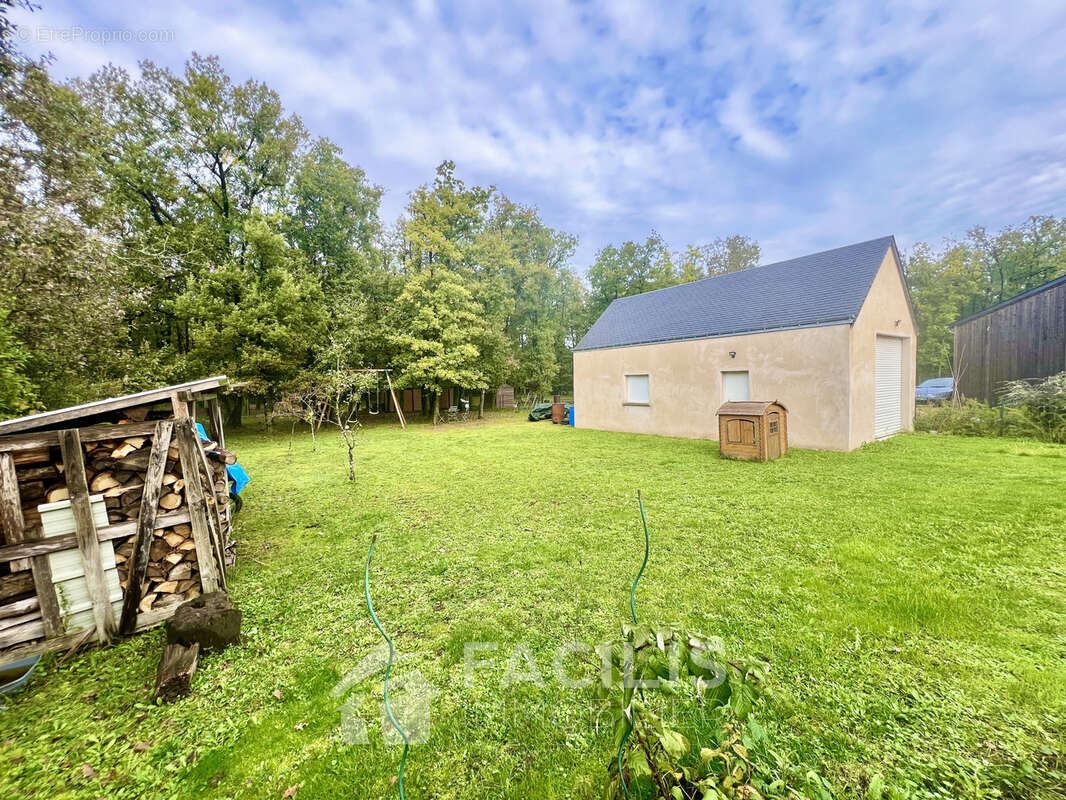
[{"x": 825, "y": 288}]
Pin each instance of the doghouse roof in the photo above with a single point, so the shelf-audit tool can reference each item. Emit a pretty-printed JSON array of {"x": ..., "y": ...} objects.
[
  {"x": 826, "y": 288},
  {"x": 79, "y": 414},
  {"x": 748, "y": 408}
]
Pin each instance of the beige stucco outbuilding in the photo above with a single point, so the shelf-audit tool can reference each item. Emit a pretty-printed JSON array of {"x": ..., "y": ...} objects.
[{"x": 831, "y": 336}]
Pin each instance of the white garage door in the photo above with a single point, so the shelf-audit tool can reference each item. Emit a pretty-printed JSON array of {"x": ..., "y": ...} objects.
[{"x": 888, "y": 378}]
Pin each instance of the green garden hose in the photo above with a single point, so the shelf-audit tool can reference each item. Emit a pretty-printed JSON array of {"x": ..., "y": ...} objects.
[
  {"x": 633, "y": 611},
  {"x": 388, "y": 667}
]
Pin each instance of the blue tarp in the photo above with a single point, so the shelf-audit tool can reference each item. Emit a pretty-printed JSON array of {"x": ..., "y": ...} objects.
[
  {"x": 236, "y": 472},
  {"x": 238, "y": 476}
]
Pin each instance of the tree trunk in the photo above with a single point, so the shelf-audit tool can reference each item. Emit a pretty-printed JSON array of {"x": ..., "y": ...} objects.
[
  {"x": 234, "y": 405},
  {"x": 436, "y": 407},
  {"x": 481, "y": 408}
]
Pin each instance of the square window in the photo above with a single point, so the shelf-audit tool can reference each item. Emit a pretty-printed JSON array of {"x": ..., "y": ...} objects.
[
  {"x": 638, "y": 390},
  {"x": 735, "y": 387},
  {"x": 773, "y": 426}
]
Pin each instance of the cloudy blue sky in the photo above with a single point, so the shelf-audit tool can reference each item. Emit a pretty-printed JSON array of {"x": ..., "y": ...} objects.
[{"x": 806, "y": 126}]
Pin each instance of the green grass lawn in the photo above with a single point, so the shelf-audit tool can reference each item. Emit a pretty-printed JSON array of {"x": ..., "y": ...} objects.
[{"x": 909, "y": 596}]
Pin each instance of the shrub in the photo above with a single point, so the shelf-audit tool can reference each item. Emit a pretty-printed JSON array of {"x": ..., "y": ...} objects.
[
  {"x": 972, "y": 418},
  {"x": 1044, "y": 403}
]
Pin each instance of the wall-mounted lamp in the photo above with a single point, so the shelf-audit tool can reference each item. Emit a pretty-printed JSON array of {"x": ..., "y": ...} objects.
[
  {"x": 732, "y": 353},
  {"x": 899, "y": 322}
]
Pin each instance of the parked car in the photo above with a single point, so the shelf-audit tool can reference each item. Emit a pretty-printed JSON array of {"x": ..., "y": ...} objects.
[{"x": 934, "y": 390}]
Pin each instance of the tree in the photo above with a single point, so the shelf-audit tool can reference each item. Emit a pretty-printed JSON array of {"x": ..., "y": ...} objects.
[
  {"x": 334, "y": 215},
  {"x": 1018, "y": 258},
  {"x": 540, "y": 304},
  {"x": 941, "y": 287},
  {"x": 188, "y": 160},
  {"x": 256, "y": 318},
  {"x": 443, "y": 218},
  {"x": 632, "y": 268},
  {"x": 720, "y": 257},
  {"x": 62, "y": 292},
  {"x": 436, "y": 325},
  {"x": 17, "y": 395}
]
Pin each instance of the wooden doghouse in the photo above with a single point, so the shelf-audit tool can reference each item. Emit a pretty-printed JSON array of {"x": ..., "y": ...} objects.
[
  {"x": 112, "y": 513},
  {"x": 753, "y": 430}
]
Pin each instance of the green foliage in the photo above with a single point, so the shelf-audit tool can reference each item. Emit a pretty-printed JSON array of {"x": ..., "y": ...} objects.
[
  {"x": 438, "y": 324},
  {"x": 720, "y": 257},
  {"x": 1031, "y": 408},
  {"x": 1044, "y": 403},
  {"x": 334, "y": 219},
  {"x": 941, "y": 286},
  {"x": 631, "y": 268},
  {"x": 677, "y": 664},
  {"x": 255, "y": 319},
  {"x": 973, "y": 418},
  {"x": 17, "y": 394}
]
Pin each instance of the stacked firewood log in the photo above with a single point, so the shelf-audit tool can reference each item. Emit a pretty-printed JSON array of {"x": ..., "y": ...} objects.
[
  {"x": 115, "y": 468},
  {"x": 172, "y": 575}
]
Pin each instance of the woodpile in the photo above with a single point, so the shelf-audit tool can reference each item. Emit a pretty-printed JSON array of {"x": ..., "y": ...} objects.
[
  {"x": 172, "y": 574},
  {"x": 116, "y": 467}
]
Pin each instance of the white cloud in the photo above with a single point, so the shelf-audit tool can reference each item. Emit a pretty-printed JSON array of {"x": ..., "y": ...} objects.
[
  {"x": 801, "y": 128},
  {"x": 737, "y": 116}
]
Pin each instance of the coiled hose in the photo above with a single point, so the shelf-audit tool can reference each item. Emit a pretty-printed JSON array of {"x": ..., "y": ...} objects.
[
  {"x": 388, "y": 667},
  {"x": 633, "y": 611}
]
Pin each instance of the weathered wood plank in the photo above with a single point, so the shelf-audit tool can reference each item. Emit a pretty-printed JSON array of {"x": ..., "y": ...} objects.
[
  {"x": 1026, "y": 338},
  {"x": 38, "y": 547},
  {"x": 85, "y": 532},
  {"x": 46, "y": 590},
  {"x": 21, "y": 619},
  {"x": 14, "y": 585},
  {"x": 149, "y": 619},
  {"x": 180, "y": 406},
  {"x": 146, "y": 523},
  {"x": 214, "y": 411},
  {"x": 29, "y": 442},
  {"x": 22, "y": 633},
  {"x": 194, "y": 495},
  {"x": 106, "y": 406},
  {"x": 11, "y": 523},
  {"x": 19, "y": 607},
  {"x": 214, "y": 517}
]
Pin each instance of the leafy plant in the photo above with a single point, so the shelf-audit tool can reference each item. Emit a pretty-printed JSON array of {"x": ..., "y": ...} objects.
[
  {"x": 972, "y": 418},
  {"x": 1044, "y": 403},
  {"x": 674, "y": 664}
]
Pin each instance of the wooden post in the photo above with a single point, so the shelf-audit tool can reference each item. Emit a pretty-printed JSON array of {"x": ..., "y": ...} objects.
[
  {"x": 153, "y": 483},
  {"x": 214, "y": 517},
  {"x": 181, "y": 408},
  {"x": 85, "y": 531},
  {"x": 399, "y": 411},
  {"x": 194, "y": 494},
  {"x": 11, "y": 521},
  {"x": 214, "y": 412}
]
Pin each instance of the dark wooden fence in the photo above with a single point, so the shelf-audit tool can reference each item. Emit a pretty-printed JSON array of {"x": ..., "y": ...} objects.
[{"x": 1024, "y": 337}]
